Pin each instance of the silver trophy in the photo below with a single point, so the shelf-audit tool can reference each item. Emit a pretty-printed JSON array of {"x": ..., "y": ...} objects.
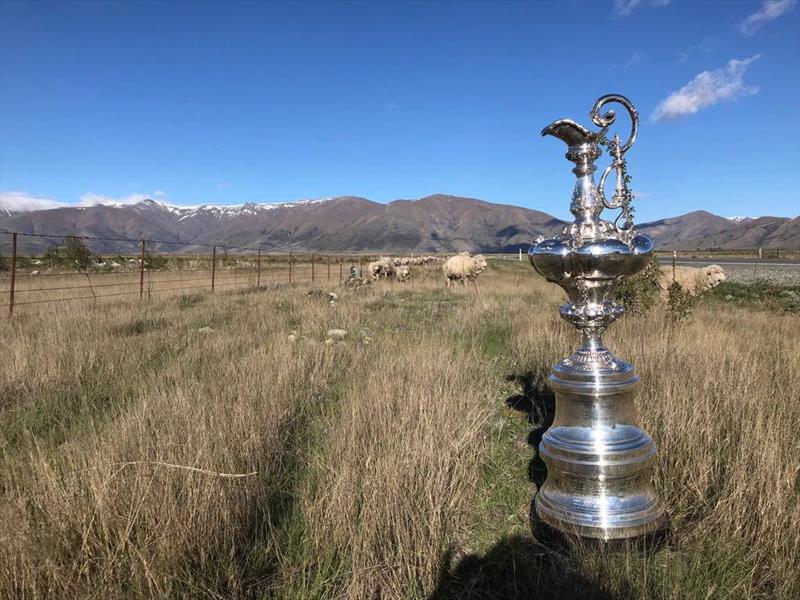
[{"x": 598, "y": 458}]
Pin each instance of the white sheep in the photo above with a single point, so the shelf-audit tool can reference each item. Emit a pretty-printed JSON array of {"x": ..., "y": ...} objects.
[
  {"x": 693, "y": 280},
  {"x": 381, "y": 267},
  {"x": 464, "y": 268},
  {"x": 403, "y": 273}
]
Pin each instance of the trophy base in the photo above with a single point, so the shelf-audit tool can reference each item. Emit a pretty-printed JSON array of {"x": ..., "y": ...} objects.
[
  {"x": 566, "y": 537},
  {"x": 603, "y": 525}
]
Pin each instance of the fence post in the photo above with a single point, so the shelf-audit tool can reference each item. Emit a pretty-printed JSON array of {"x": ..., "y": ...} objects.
[
  {"x": 312, "y": 267},
  {"x": 340, "y": 270},
  {"x": 329, "y": 269},
  {"x": 141, "y": 270},
  {"x": 258, "y": 271},
  {"x": 291, "y": 260},
  {"x": 213, "y": 267},
  {"x": 13, "y": 274},
  {"x": 674, "y": 258}
]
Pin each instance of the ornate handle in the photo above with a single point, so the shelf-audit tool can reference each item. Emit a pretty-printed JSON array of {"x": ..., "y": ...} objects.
[
  {"x": 606, "y": 120},
  {"x": 622, "y": 195}
]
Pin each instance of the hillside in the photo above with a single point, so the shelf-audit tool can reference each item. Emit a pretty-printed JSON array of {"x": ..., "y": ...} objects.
[{"x": 437, "y": 223}]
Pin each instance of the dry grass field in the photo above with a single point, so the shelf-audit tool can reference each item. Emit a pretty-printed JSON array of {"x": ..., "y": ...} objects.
[{"x": 187, "y": 447}]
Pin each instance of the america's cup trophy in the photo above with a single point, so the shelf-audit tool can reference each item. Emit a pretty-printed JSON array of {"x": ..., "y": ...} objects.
[{"x": 598, "y": 458}]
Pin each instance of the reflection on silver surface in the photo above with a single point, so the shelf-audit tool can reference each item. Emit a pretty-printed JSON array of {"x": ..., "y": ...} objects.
[{"x": 598, "y": 458}]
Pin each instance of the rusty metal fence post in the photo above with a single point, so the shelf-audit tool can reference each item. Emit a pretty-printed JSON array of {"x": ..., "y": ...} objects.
[
  {"x": 674, "y": 259},
  {"x": 291, "y": 260},
  {"x": 312, "y": 267},
  {"x": 13, "y": 275},
  {"x": 141, "y": 270},
  {"x": 258, "y": 271},
  {"x": 340, "y": 270},
  {"x": 213, "y": 267}
]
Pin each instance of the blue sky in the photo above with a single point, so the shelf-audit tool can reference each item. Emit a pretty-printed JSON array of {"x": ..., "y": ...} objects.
[{"x": 226, "y": 103}]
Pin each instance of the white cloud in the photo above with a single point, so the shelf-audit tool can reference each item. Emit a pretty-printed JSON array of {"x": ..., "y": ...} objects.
[
  {"x": 24, "y": 202},
  {"x": 707, "y": 89},
  {"x": 770, "y": 10},
  {"x": 635, "y": 59},
  {"x": 92, "y": 199},
  {"x": 622, "y": 8}
]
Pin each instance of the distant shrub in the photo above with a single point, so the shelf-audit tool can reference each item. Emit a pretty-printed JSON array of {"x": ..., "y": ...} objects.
[
  {"x": 53, "y": 256},
  {"x": 74, "y": 251},
  {"x": 155, "y": 262},
  {"x": 679, "y": 302},
  {"x": 639, "y": 293}
]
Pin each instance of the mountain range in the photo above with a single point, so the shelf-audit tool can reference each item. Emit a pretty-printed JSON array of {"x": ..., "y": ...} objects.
[{"x": 438, "y": 223}]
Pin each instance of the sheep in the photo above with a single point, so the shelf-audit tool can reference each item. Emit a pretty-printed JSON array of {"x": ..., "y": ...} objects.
[
  {"x": 402, "y": 273},
  {"x": 383, "y": 266},
  {"x": 463, "y": 267},
  {"x": 693, "y": 281}
]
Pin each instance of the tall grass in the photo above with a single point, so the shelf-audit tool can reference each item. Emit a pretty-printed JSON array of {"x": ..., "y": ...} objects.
[{"x": 188, "y": 447}]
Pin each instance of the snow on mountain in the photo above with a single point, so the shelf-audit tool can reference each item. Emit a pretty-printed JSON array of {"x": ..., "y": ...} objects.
[
  {"x": 220, "y": 211},
  {"x": 739, "y": 219}
]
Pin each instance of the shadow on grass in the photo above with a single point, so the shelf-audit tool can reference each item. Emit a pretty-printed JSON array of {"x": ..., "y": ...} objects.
[
  {"x": 515, "y": 567},
  {"x": 541, "y": 566},
  {"x": 539, "y": 403}
]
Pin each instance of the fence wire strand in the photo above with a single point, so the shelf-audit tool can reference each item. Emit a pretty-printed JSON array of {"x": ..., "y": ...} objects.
[{"x": 144, "y": 266}]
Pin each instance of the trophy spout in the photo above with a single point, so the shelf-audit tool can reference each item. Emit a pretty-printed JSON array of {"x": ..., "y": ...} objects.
[{"x": 570, "y": 132}]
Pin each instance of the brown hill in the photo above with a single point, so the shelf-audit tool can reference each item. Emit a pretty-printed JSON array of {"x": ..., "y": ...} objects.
[{"x": 438, "y": 223}]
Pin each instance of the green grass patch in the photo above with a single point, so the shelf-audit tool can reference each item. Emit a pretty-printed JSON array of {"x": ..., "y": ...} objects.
[{"x": 760, "y": 294}]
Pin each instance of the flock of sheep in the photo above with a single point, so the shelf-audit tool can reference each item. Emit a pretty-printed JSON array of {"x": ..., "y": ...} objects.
[
  {"x": 465, "y": 268},
  {"x": 462, "y": 267}
]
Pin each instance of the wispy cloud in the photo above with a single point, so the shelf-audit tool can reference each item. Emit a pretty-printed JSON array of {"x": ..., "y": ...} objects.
[
  {"x": 24, "y": 202},
  {"x": 769, "y": 11},
  {"x": 707, "y": 89},
  {"x": 622, "y": 8},
  {"x": 92, "y": 199},
  {"x": 705, "y": 45}
]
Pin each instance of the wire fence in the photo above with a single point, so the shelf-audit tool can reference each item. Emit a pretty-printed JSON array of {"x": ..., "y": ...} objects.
[{"x": 63, "y": 269}]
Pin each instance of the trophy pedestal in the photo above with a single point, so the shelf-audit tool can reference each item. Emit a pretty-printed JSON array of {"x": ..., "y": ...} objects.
[{"x": 598, "y": 458}]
